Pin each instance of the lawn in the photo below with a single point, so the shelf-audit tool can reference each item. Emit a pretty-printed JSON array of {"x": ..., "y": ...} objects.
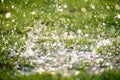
[{"x": 59, "y": 39}]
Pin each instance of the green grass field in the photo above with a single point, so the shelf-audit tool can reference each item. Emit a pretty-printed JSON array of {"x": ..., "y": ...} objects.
[{"x": 31, "y": 28}]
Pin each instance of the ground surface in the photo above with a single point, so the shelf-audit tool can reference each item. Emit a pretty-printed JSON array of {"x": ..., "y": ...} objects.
[{"x": 60, "y": 36}]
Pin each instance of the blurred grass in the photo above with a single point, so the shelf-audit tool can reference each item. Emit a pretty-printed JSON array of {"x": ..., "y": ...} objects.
[
  {"x": 106, "y": 75},
  {"x": 89, "y": 21}
]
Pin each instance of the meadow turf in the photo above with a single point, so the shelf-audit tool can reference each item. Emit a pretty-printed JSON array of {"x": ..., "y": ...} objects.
[{"x": 81, "y": 25}]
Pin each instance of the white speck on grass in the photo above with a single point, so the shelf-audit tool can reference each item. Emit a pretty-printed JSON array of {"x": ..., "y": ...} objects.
[
  {"x": 65, "y": 6},
  {"x": 107, "y": 64},
  {"x": 117, "y": 7},
  {"x": 33, "y": 12},
  {"x": 12, "y": 6},
  {"x": 99, "y": 60},
  {"x": 77, "y": 73},
  {"x": 60, "y": 9},
  {"x": 13, "y": 20},
  {"x": 118, "y": 16},
  {"x": 92, "y": 6},
  {"x": 108, "y": 7},
  {"x": 79, "y": 31},
  {"x": 104, "y": 43},
  {"x": 83, "y": 9},
  {"x": 8, "y": 14},
  {"x": 54, "y": 36},
  {"x": 103, "y": 24},
  {"x": 86, "y": 35},
  {"x": 24, "y": 15}
]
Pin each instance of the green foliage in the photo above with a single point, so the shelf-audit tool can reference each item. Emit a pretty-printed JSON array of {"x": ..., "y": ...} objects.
[
  {"x": 106, "y": 75},
  {"x": 99, "y": 23}
]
